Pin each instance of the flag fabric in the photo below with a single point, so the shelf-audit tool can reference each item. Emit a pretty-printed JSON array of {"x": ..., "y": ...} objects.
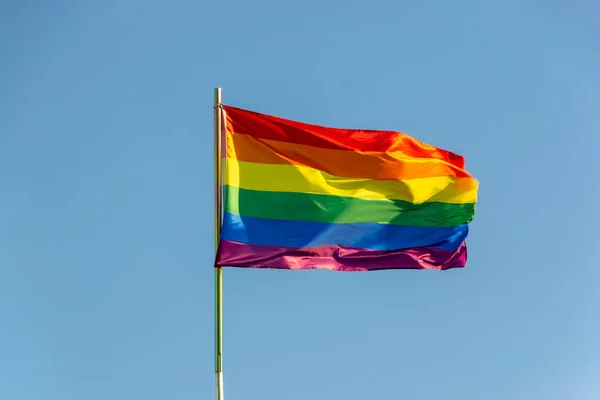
[{"x": 300, "y": 196}]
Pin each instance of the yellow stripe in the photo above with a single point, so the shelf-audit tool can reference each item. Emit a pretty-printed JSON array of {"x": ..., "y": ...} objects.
[{"x": 295, "y": 178}]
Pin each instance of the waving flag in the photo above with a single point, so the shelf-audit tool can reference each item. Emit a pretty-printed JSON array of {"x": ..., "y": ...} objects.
[{"x": 300, "y": 196}]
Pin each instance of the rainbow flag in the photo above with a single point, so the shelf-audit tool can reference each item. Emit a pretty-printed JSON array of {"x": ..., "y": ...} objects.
[{"x": 300, "y": 196}]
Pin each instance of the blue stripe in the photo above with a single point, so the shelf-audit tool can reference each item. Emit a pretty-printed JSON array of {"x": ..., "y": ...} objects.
[{"x": 283, "y": 233}]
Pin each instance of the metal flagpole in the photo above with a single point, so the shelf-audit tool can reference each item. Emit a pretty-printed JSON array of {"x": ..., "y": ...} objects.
[{"x": 218, "y": 271}]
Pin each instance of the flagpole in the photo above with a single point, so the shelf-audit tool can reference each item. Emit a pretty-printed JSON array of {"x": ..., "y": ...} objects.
[{"x": 218, "y": 271}]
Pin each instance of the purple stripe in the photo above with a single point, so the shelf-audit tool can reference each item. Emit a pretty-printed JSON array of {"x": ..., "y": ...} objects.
[{"x": 234, "y": 254}]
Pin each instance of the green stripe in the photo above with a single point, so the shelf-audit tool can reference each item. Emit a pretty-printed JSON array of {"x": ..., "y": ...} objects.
[{"x": 337, "y": 209}]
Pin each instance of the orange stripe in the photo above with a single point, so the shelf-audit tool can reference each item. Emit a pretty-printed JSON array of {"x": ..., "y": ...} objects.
[
  {"x": 367, "y": 165},
  {"x": 267, "y": 127}
]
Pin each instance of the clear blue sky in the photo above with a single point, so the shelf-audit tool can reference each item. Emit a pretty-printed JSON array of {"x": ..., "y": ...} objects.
[{"x": 106, "y": 285}]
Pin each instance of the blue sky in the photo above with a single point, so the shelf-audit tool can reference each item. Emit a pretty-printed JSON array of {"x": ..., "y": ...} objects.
[{"x": 106, "y": 285}]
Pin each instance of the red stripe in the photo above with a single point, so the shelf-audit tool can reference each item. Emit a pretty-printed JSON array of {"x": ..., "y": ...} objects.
[{"x": 261, "y": 126}]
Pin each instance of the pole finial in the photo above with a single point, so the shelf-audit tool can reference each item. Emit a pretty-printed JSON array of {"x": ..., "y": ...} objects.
[{"x": 217, "y": 97}]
